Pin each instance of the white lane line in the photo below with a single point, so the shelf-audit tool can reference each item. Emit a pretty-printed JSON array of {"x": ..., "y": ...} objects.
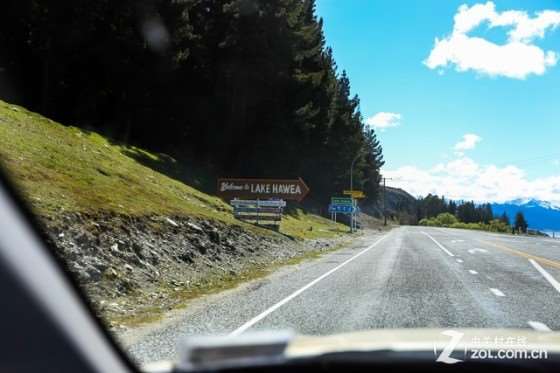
[
  {"x": 473, "y": 272},
  {"x": 267, "y": 312},
  {"x": 440, "y": 245},
  {"x": 476, "y": 250},
  {"x": 459, "y": 260},
  {"x": 497, "y": 292},
  {"x": 546, "y": 275},
  {"x": 539, "y": 326}
]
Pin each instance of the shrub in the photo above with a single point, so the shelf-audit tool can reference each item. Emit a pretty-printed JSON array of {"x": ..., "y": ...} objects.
[
  {"x": 446, "y": 219},
  {"x": 498, "y": 225},
  {"x": 450, "y": 221}
]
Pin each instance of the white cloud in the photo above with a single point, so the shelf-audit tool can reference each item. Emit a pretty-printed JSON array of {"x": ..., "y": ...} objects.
[
  {"x": 464, "y": 179},
  {"x": 468, "y": 142},
  {"x": 383, "y": 120},
  {"x": 517, "y": 58}
]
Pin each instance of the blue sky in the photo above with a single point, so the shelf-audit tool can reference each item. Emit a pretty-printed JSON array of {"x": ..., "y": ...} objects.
[{"x": 509, "y": 100}]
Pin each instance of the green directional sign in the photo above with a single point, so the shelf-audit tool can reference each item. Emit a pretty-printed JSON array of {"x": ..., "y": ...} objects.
[{"x": 341, "y": 201}]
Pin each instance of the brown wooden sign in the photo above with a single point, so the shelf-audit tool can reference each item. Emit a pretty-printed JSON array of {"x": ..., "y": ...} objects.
[{"x": 262, "y": 188}]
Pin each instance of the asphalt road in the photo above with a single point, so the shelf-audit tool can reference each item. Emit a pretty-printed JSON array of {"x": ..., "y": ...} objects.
[{"x": 410, "y": 277}]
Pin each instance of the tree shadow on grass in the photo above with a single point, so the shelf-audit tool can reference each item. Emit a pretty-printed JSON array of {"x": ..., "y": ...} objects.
[{"x": 183, "y": 170}]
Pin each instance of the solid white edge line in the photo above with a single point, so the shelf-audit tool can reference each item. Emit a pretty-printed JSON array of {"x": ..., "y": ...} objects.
[
  {"x": 497, "y": 292},
  {"x": 267, "y": 312},
  {"x": 539, "y": 326},
  {"x": 440, "y": 245},
  {"x": 546, "y": 275},
  {"x": 473, "y": 272}
]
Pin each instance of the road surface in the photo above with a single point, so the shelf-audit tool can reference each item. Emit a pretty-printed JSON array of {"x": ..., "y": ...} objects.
[{"x": 410, "y": 277}]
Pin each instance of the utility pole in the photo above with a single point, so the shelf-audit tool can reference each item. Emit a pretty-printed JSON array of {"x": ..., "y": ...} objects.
[
  {"x": 352, "y": 169},
  {"x": 385, "y": 199}
]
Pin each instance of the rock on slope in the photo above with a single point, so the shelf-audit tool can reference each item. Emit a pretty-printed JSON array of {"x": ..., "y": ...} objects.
[{"x": 134, "y": 268}]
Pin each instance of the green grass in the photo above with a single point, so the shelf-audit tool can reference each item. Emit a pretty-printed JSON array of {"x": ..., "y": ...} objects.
[
  {"x": 303, "y": 225},
  {"x": 66, "y": 169}
]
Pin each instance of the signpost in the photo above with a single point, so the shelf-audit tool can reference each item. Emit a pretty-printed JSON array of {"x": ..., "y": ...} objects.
[
  {"x": 356, "y": 194},
  {"x": 261, "y": 200},
  {"x": 345, "y": 205},
  {"x": 341, "y": 201},
  {"x": 343, "y": 209},
  {"x": 261, "y": 203},
  {"x": 340, "y": 205},
  {"x": 259, "y": 211},
  {"x": 294, "y": 189}
]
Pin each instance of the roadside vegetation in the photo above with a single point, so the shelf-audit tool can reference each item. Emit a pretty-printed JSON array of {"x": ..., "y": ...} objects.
[
  {"x": 131, "y": 118},
  {"x": 137, "y": 237},
  {"x": 247, "y": 87},
  {"x": 63, "y": 170},
  {"x": 448, "y": 220},
  {"x": 435, "y": 211}
]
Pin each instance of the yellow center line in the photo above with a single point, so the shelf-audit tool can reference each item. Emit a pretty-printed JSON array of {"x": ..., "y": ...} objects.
[{"x": 544, "y": 261}]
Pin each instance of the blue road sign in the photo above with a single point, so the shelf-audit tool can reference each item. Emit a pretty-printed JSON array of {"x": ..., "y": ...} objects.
[{"x": 342, "y": 209}]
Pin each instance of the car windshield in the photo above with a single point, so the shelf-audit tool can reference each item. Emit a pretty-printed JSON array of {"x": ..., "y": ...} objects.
[{"x": 220, "y": 167}]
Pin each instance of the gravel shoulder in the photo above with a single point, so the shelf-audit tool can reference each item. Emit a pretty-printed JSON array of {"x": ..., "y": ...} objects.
[
  {"x": 136, "y": 270},
  {"x": 220, "y": 313}
]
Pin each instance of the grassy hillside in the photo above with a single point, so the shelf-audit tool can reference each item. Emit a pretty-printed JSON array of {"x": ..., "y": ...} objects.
[{"x": 66, "y": 169}]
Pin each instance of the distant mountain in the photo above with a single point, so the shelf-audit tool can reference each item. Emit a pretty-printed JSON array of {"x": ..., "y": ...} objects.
[
  {"x": 399, "y": 204},
  {"x": 540, "y": 215}
]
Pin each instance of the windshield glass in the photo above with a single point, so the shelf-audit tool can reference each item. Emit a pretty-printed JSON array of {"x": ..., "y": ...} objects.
[{"x": 208, "y": 167}]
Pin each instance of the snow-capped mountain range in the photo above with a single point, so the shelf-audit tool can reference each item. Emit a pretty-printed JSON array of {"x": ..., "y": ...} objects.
[
  {"x": 541, "y": 215},
  {"x": 534, "y": 203}
]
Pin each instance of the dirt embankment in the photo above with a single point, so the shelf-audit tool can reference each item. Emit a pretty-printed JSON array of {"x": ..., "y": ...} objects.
[{"x": 135, "y": 268}]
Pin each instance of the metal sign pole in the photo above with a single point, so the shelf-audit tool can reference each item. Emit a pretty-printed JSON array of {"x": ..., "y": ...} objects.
[
  {"x": 352, "y": 218},
  {"x": 355, "y": 215},
  {"x": 351, "y": 221}
]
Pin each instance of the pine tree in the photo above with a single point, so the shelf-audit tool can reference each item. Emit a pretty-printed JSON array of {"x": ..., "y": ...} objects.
[
  {"x": 452, "y": 207},
  {"x": 487, "y": 213},
  {"x": 247, "y": 86},
  {"x": 373, "y": 163},
  {"x": 521, "y": 224},
  {"x": 504, "y": 218}
]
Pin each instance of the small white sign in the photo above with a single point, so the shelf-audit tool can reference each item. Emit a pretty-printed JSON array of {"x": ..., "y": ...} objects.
[{"x": 258, "y": 203}]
